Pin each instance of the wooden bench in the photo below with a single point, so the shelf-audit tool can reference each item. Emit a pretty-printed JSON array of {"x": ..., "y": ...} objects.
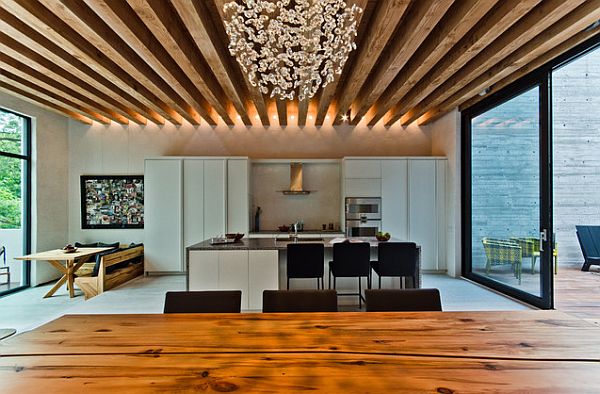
[{"x": 108, "y": 278}]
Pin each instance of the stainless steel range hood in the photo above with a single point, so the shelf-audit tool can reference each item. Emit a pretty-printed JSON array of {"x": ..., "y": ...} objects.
[{"x": 295, "y": 181}]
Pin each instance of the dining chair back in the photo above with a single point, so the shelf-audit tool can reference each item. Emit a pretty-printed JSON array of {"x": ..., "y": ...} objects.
[
  {"x": 305, "y": 260},
  {"x": 221, "y": 301},
  {"x": 403, "y": 300},
  {"x": 299, "y": 301}
]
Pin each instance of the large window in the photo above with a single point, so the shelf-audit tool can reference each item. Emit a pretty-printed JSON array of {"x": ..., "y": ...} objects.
[{"x": 15, "y": 180}]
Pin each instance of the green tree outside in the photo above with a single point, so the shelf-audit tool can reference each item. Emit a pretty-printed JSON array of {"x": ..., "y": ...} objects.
[{"x": 11, "y": 127}]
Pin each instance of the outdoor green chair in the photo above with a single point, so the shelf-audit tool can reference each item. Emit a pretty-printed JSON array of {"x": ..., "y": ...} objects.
[
  {"x": 502, "y": 252},
  {"x": 530, "y": 248}
]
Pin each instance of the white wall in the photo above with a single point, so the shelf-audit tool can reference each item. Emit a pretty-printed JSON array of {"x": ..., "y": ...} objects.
[
  {"x": 49, "y": 181},
  {"x": 445, "y": 141}
]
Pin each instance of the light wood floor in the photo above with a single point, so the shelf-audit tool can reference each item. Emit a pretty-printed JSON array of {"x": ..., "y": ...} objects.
[{"x": 577, "y": 292}]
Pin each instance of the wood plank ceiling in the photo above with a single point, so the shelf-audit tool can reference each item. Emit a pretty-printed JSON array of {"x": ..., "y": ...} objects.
[{"x": 155, "y": 60}]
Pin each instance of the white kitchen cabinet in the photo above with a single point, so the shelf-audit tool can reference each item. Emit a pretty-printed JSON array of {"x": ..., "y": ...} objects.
[
  {"x": 363, "y": 187},
  {"x": 263, "y": 274},
  {"x": 423, "y": 221},
  {"x": 249, "y": 271},
  {"x": 193, "y": 201},
  {"x": 362, "y": 168},
  {"x": 394, "y": 198},
  {"x": 215, "y": 194},
  {"x": 238, "y": 209},
  {"x": 441, "y": 214},
  {"x": 163, "y": 219}
]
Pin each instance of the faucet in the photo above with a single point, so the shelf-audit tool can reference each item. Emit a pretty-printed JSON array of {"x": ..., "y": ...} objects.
[{"x": 295, "y": 226}]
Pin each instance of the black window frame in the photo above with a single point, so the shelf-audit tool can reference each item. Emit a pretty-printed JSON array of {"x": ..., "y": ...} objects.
[{"x": 26, "y": 156}]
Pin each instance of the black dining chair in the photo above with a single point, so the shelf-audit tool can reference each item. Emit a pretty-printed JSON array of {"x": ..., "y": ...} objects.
[
  {"x": 405, "y": 300},
  {"x": 305, "y": 260},
  {"x": 396, "y": 259},
  {"x": 299, "y": 301},
  {"x": 219, "y": 301},
  {"x": 351, "y": 259}
]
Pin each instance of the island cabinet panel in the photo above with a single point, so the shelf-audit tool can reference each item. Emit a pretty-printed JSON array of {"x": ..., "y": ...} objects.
[
  {"x": 215, "y": 192},
  {"x": 263, "y": 271},
  {"x": 238, "y": 199},
  {"x": 163, "y": 221},
  {"x": 423, "y": 221},
  {"x": 394, "y": 198},
  {"x": 250, "y": 271},
  {"x": 193, "y": 201},
  {"x": 203, "y": 270}
]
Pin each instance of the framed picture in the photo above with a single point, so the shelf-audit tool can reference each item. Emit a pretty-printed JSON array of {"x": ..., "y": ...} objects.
[{"x": 112, "y": 201}]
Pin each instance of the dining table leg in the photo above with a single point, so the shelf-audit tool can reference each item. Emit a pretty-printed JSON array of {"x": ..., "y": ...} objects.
[{"x": 63, "y": 279}]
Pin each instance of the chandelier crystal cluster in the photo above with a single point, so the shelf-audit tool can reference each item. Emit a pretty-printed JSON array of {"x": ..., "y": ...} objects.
[{"x": 291, "y": 47}]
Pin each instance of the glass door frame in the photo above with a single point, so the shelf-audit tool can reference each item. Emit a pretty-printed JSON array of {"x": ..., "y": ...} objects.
[
  {"x": 545, "y": 301},
  {"x": 25, "y": 156}
]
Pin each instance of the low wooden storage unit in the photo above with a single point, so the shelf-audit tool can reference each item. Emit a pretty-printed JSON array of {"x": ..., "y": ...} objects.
[{"x": 94, "y": 285}]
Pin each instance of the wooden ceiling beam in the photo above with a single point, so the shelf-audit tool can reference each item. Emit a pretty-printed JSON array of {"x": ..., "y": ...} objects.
[
  {"x": 20, "y": 65},
  {"x": 282, "y": 112},
  {"x": 536, "y": 21},
  {"x": 422, "y": 21},
  {"x": 538, "y": 62},
  {"x": 302, "y": 112},
  {"x": 204, "y": 37},
  {"x": 261, "y": 104},
  {"x": 383, "y": 23},
  {"x": 572, "y": 24},
  {"x": 413, "y": 64},
  {"x": 494, "y": 23},
  {"x": 26, "y": 96},
  {"x": 48, "y": 24},
  {"x": 328, "y": 92},
  {"x": 28, "y": 86},
  {"x": 117, "y": 40}
]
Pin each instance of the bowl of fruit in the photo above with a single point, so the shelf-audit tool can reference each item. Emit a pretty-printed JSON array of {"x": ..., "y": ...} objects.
[
  {"x": 382, "y": 237},
  {"x": 69, "y": 249},
  {"x": 235, "y": 236}
]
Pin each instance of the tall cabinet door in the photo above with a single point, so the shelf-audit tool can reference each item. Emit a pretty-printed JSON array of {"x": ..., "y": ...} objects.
[
  {"x": 394, "y": 198},
  {"x": 215, "y": 192},
  {"x": 422, "y": 213},
  {"x": 163, "y": 216},
  {"x": 238, "y": 210},
  {"x": 193, "y": 201}
]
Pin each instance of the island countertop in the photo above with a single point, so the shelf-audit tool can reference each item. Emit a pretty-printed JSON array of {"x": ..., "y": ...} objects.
[{"x": 273, "y": 244}]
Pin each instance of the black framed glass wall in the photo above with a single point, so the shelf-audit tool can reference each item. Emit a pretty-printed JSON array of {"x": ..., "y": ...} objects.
[
  {"x": 507, "y": 186},
  {"x": 15, "y": 200}
]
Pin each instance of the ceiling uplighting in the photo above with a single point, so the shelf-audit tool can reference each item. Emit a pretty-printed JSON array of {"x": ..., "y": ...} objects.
[{"x": 291, "y": 48}]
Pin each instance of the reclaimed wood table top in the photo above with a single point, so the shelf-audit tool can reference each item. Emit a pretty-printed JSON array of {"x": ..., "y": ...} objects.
[
  {"x": 60, "y": 255},
  {"x": 517, "y": 351}
]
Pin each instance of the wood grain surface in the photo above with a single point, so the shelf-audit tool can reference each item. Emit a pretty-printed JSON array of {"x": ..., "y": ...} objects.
[
  {"x": 291, "y": 373},
  {"x": 541, "y": 335}
]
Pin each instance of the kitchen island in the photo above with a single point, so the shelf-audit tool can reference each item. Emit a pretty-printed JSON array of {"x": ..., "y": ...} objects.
[{"x": 257, "y": 264}]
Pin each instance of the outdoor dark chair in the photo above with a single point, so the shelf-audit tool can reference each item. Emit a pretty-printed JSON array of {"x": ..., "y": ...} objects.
[
  {"x": 299, "y": 301},
  {"x": 407, "y": 300},
  {"x": 396, "y": 259},
  {"x": 589, "y": 240},
  {"x": 223, "y": 301},
  {"x": 305, "y": 261}
]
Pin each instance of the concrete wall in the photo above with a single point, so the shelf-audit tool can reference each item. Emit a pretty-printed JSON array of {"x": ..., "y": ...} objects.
[{"x": 49, "y": 183}]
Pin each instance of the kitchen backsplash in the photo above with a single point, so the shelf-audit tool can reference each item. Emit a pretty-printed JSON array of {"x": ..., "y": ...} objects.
[{"x": 321, "y": 206}]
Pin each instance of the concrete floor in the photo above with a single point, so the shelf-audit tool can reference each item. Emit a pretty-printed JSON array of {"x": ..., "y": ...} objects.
[{"x": 28, "y": 309}]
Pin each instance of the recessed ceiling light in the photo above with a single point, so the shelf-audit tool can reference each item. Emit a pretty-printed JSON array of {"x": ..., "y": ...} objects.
[
  {"x": 310, "y": 117},
  {"x": 274, "y": 117},
  {"x": 344, "y": 117},
  {"x": 257, "y": 117},
  {"x": 327, "y": 117}
]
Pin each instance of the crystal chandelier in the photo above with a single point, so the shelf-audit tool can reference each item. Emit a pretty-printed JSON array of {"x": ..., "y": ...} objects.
[{"x": 291, "y": 47}]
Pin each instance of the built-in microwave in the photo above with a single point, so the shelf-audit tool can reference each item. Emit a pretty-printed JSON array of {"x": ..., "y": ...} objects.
[
  {"x": 358, "y": 208},
  {"x": 362, "y": 228}
]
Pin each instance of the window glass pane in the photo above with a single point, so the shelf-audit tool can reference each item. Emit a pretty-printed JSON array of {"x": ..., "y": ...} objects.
[
  {"x": 11, "y": 132},
  {"x": 506, "y": 193}
]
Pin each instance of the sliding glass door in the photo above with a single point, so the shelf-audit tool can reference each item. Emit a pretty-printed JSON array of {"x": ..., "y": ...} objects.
[{"x": 507, "y": 198}]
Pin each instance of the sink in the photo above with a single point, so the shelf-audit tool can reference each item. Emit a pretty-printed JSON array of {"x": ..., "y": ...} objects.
[{"x": 304, "y": 239}]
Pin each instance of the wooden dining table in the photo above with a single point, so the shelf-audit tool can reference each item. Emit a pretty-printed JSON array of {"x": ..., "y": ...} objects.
[
  {"x": 349, "y": 352},
  {"x": 66, "y": 263}
]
